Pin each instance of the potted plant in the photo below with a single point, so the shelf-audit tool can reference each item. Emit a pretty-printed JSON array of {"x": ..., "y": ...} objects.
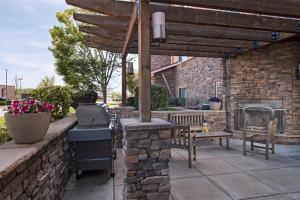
[
  {"x": 28, "y": 120},
  {"x": 215, "y": 103}
]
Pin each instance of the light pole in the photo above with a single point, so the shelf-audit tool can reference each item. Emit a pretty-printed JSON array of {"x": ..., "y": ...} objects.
[
  {"x": 6, "y": 90},
  {"x": 20, "y": 79}
]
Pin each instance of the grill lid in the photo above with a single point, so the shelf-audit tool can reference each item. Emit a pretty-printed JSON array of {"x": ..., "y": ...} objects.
[{"x": 92, "y": 115}]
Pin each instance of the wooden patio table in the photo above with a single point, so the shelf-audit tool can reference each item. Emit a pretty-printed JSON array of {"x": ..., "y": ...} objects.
[{"x": 210, "y": 135}]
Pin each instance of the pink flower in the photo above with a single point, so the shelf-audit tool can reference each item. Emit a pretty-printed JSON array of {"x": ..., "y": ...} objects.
[
  {"x": 15, "y": 103},
  {"x": 31, "y": 102},
  {"x": 44, "y": 104},
  {"x": 16, "y": 111},
  {"x": 50, "y": 107},
  {"x": 25, "y": 108},
  {"x": 39, "y": 109}
]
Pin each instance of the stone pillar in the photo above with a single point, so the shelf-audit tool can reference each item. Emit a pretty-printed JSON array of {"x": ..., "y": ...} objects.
[{"x": 146, "y": 148}]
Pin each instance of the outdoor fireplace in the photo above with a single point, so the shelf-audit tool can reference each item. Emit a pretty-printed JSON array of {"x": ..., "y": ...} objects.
[{"x": 258, "y": 114}]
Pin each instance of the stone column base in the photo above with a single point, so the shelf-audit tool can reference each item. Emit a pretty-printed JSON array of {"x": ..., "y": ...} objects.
[{"x": 146, "y": 149}]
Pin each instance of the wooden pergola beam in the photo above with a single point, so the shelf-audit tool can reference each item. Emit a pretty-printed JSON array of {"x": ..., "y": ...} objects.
[
  {"x": 120, "y": 24},
  {"x": 158, "y": 51},
  {"x": 187, "y": 15},
  {"x": 131, "y": 31},
  {"x": 288, "y": 8}
]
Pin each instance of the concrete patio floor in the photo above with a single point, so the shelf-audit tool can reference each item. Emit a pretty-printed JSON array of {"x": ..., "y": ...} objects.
[{"x": 218, "y": 174}]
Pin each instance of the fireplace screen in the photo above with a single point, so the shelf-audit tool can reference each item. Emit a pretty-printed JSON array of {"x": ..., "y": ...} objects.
[{"x": 258, "y": 115}]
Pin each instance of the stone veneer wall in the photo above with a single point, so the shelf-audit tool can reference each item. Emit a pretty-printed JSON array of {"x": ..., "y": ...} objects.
[
  {"x": 146, "y": 148},
  {"x": 268, "y": 73},
  {"x": 40, "y": 170},
  {"x": 218, "y": 117}
]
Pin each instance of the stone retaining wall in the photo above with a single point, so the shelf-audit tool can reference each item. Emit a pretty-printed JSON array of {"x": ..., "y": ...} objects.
[{"x": 40, "y": 170}]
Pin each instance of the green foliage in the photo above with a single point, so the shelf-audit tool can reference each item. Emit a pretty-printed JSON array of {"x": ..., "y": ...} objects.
[
  {"x": 3, "y": 131},
  {"x": 177, "y": 101},
  {"x": 159, "y": 97},
  {"x": 59, "y": 95},
  {"x": 81, "y": 67},
  {"x": 5, "y": 102},
  {"x": 132, "y": 83},
  {"x": 130, "y": 101},
  {"x": 116, "y": 96},
  {"x": 86, "y": 96},
  {"x": 47, "y": 81}
]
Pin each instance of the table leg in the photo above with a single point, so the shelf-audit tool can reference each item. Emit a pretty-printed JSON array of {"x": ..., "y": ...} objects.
[
  {"x": 227, "y": 142},
  {"x": 220, "y": 142}
]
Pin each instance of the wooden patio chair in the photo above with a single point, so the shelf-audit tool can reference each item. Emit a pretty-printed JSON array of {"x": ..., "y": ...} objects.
[{"x": 262, "y": 137}]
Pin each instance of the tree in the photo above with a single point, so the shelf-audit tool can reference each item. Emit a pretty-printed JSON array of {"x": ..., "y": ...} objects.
[
  {"x": 47, "y": 81},
  {"x": 81, "y": 67},
  {"x": 132, "y": 83},
  {"x": 116, "y": 96}
]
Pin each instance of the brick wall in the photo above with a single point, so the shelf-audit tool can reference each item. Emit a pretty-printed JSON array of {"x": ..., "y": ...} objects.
[
  {"x": 197, "y": 75},
  {"x": 170, "y": 75},
  {"x": 159, "y": 61},
  {"x": 266, "y": 74}
]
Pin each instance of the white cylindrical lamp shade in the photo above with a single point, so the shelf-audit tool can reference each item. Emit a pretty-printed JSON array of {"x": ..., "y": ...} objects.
[{"x": 159, "y": 26}]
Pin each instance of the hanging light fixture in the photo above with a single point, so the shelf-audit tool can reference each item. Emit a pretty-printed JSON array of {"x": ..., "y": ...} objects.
[
  {"x": 130, "y": 69},
  {"x": 158, "y": 27}
]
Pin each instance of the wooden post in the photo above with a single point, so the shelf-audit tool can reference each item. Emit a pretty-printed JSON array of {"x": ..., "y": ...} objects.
[
  {"x": 124, "y": 82},
  {"x": 144, "y": 60}
]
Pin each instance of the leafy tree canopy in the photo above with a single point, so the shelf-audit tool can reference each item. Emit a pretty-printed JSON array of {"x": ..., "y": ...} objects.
[{"x": 81, "y": 67}]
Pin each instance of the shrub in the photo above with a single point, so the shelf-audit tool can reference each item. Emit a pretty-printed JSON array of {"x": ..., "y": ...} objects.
[
  {"x": 59, "y": 95},
  {"x": 5, "y": 102},
  {"x": 83, "y": 97},
  {"x": 215, "y": 99},
  {"x": 3, "y": 131},
  {"x": 176, "y": 101},
  {"x": 130, "y": 101},
  {"x": 116, "y": 96},
  {"x": 159, "y": 97}
]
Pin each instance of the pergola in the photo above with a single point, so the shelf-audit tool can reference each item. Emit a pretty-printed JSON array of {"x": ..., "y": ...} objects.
[{"x": 196, "y": 28}]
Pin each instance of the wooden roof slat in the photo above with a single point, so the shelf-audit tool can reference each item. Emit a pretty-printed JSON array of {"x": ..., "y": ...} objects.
[
  {"x": 227, "y": 19},
  {"x": 131, "y": 32},
  {"x": 107, "y": 7},
  {"x": 288, "y": 8},
  {"x": 121, "y": 24},
  {"x": 195, "y": 16}
]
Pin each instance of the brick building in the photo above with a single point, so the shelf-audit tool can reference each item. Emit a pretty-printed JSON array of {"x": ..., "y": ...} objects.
[{"x": 270, "y": 74}]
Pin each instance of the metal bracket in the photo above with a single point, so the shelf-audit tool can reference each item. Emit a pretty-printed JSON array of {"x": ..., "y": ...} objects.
[
  {"x": 255, "y": 44},
  {"x": 138, "y": 8},
  {"x": 275, "y": 36}
]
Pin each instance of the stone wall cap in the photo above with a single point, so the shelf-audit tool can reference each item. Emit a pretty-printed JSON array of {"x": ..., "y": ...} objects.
[
  {"x": 130, "y": 124},
  {"x": 13, "y": 155}
]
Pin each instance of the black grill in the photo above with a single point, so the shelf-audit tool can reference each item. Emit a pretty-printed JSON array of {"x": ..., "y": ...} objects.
[{"x": 93, "y": 138}]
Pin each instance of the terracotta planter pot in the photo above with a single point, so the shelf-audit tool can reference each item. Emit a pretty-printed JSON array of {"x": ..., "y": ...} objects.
[
  {"x": 214, "y": 105},
  {"x": 27, "y": 128}
]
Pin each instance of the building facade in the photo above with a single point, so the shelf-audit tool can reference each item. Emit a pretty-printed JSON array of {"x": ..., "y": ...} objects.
[
  {"x": 11, "y": 91},
  {"x": 266, "y": 76}
]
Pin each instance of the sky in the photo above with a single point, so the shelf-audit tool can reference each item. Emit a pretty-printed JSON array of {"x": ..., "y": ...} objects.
[{"x": 24, "y": 41}]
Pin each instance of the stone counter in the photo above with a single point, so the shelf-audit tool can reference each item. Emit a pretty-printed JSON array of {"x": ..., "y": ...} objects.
[{"x": 40, "y": 170}]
